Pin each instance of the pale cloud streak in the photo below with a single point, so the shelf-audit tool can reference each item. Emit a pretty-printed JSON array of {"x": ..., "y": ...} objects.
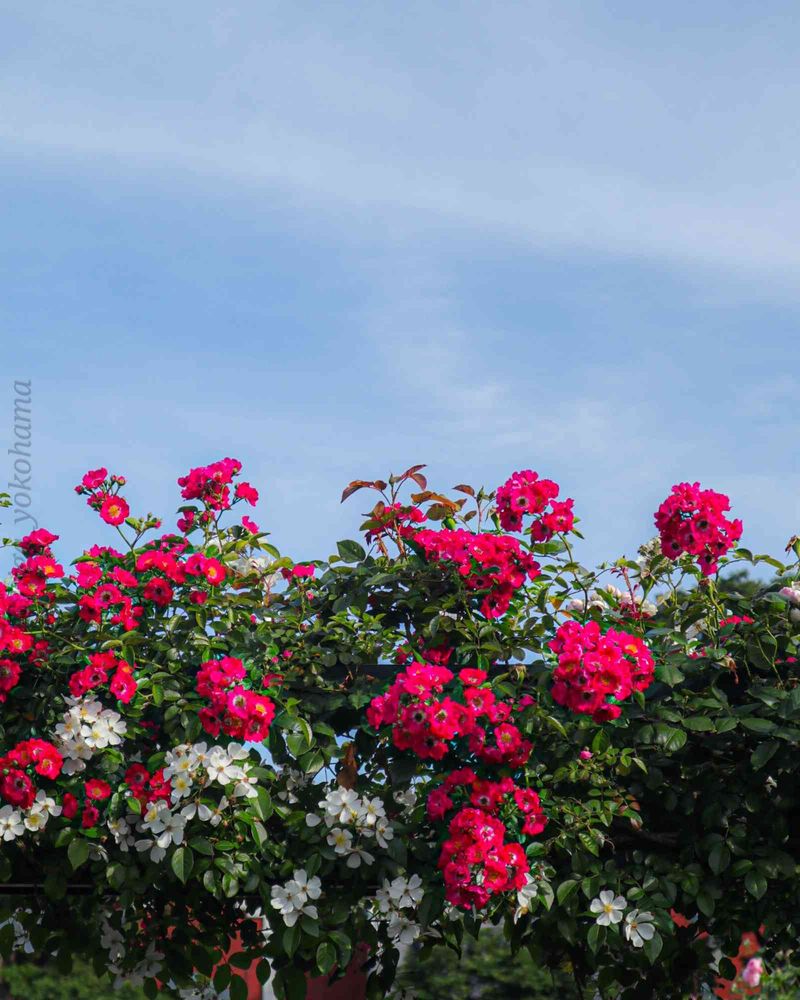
[{"x": 532, "y": 125}]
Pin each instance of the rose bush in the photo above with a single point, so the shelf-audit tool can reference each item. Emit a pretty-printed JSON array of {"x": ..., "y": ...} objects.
[{"x": 450, "y": 725}]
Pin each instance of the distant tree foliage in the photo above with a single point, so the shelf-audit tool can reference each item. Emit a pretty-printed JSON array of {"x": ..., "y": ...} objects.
[
  {"x": 29, "y": 980},
  {"x": 487, "y": 971}
]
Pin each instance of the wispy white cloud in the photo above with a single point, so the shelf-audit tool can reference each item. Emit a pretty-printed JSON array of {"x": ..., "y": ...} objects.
[
  {"x": 552, "y": 207},
  {"x": 534, "y": 124},
  {"x": 489, "y": 387}
]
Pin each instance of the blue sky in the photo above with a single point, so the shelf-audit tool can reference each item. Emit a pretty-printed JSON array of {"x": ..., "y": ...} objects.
[{"x": 338, "y": 239}]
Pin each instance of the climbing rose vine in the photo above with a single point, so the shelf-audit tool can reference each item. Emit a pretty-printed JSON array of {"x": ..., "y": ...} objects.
[{"x": 454, "y": 723}]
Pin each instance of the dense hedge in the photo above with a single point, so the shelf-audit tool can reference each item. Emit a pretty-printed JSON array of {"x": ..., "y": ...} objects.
[{"x": 449, "y": 725}]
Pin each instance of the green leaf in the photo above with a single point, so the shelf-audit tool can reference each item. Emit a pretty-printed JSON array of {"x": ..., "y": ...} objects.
[
  {"x": 230, "y": 885},
  {"x": 297, "y": 743},
  {"x": 201, "y": 959},
  {"x": 669, "y": 674},
  {"x": 292, "y": 982},
  {"x": 55, "y": 886},
  {"x": 78, "y": 852},
  {"x": 309, "y": 925},
  {"x": 719, "y": 858},
  {"x": 566, "y": 889},
  {"x": 326, "y": 957},
  {"x": 221, "y": 978},
  {"x": 311, "y": 762},
  {"x": 262, "y": 803},
  {"x": 758, "y": 656},
  {"x": 201, "y": 845},
  {"x": 763, "y": 753},
  {"x": 669, "y": 738},
  {"x": 238, "y": 988},
  {"x": 755, "y": 883},
  {"x": 699, "y": 724},
  {"x": 291, "y": 939},
  {"x": 63, "y": 837},
  {"x": 116, "y": 875},
  {"x": 398, "y": 850},
  {"x": 770, "y": 696},
  {"x": 757, "y": 725},
  {"x": 705, "y": 903},
  {"x": 350, "y": 551},
  {"x": 182, "y": 863},
  {"x": 7, "y": 938},
  {"x": 241, "y": 960},
  {"x": 593, "y": 938},
  {"x": 345, "y": 946},
  {"x": 652, "y": 948}
]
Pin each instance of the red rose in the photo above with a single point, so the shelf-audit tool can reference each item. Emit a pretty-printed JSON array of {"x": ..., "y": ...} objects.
[
  {"x": 114, "y": 510},
  {"x": 94, "y": 478},
  {"x": 123, "y": 685},
  {"x": 90, "y": 817},
  {"x": 69, "y": 806},
  {"x": 17, "y": 788},
  {"x": 158, "y": 591},
  {"x": 97, "y": 789},
  {"x": 244, "y": 491},
  {"x": 214, "y": 572}
]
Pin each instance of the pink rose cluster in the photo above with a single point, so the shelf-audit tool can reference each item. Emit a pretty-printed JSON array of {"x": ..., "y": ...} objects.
[
  {"x": 692, "y": 520},
  {"x": 233, "y": 709},
  {"x": 596, "y": 671},
  {"x": 211, "y": 485},
  {"x": 524, "y": 494},
  {"x": 476, "y": 861},
  {"x": 426, "y": 721},
  {"x": 494, "y": 564},
  {"x": 102, "y": 494}
]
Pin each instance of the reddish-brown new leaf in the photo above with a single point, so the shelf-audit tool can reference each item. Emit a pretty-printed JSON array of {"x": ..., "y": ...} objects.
[{"x": 357, "y": 484}]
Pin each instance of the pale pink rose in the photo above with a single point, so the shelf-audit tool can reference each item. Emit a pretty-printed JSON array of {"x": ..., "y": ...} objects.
[{"x": 751, "y": 974}]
